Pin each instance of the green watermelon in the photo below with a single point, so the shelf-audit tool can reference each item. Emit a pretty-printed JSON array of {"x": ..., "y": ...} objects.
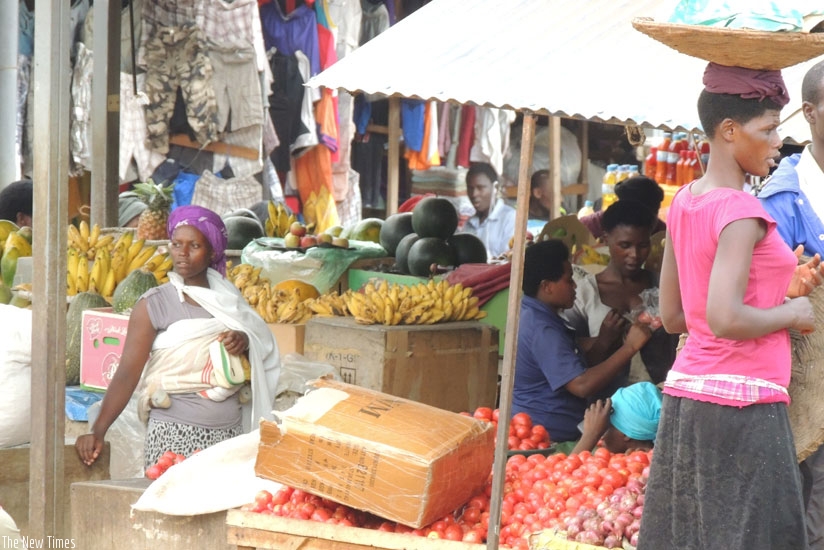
[
  {"x": 242, "y": 230},
  {"x": 131, "y": 289},
  {"x": 395, "y": 228},
  {"x": 402, "y": 252},
  {"x": 434, "y": 217},
  {"x": 469, "y": 249},
  {"x": 427, "y": 251},
  {"x": 74, "y": 331}
]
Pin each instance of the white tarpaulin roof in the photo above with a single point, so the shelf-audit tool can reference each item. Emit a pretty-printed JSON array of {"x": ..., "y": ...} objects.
[{"x": 577, "y": 59}]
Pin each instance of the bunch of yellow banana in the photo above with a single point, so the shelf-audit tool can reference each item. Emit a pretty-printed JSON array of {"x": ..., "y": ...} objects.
[
  {"x": 331, "y": 304},
  {"x": 277, "y": 225},
  {"x": 88, "y": 240},
  {"x": 111, "y": 264},
  {"x": 17, "y": 245},
  {"x": 590, "y": 256},
  {"x": 421, "y": 304},
  {"x": 245, "y": 275}
]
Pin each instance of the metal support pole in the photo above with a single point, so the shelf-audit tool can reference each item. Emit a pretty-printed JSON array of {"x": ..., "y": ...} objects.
[
  {"x": 51, "y": 205},
  {"x": 513, "y": 315},
  {"x": 105, "y": 114},
  {"x": 9, "y": 165}
]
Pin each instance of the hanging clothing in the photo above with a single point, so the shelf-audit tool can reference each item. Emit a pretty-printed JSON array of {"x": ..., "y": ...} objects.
[
  {"x": 427, "y": 156},
  {"x": 175, "y": 57},
  {"x": 374, "y": 20},
  {"x": 466, "y": 136},
  {"x": 25, "y": 30},
  {"x": 412, "y": 123},
  {"x": 235, "y": 23},
  {"x": 346, "y": 16},
  {"x": 350, "y": 208},
  {"x": 237, "y": 87},
  {"x": 80, "y": 116},
  {"x": 133, "y": 131},
  {"x": 297, "y": 31},
  {"x": 491, "y": 136},
  {"x": 87, "y": 33},
  {"x": 313, "y": 176}
]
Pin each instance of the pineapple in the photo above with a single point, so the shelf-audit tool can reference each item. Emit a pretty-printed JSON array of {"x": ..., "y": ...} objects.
[{"x": 152, "y": 222}]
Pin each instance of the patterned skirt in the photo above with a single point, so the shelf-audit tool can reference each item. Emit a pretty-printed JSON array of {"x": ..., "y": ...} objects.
[
  {"x": 182, "y": 439},
  {"x": 723, "y": 477}
]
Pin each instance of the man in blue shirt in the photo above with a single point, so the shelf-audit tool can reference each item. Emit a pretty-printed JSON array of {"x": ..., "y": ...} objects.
[{"x": 552, "y": 381}]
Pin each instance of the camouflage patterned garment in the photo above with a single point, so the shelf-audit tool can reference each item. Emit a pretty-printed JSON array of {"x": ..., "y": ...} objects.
[{"x": 177, "y": 57}]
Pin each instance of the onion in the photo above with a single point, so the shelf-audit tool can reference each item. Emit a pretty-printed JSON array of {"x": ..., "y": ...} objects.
[
  {"x": 611, "y": 541},
  {"x": 591, "y": 524},
  {"x": 627, "y": 502},
  {"x": 633, "y": 540},
  {"x": 610, "y": 514},
  {"x": 638, "y": 511},
  {"x": 634, "y": 486},
  {"x": 624, "y": 519},
  {"x": 640, "y": 500},
  {"x": 572, "y": 531},
  {"x": 590, "y": 537},
  {"x": 607, "y": 526}
]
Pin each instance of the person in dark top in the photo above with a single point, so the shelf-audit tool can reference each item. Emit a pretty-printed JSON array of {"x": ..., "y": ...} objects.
[
  {"x": 16, "y": 200},
  {"x": 552, "y": 381}
]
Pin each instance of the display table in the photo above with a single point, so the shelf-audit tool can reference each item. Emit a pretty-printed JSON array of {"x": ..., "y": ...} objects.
[
  {"x": 250, "y": 531},
  {"x": 102, "y": 519}
]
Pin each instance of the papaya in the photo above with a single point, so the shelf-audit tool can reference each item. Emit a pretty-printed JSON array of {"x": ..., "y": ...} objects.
[
  {"x": 368, "y": 229},
  {"x": 74, "y": 331},
  {"x": 131, "y": 289},
  {"x": 304, "y": 291}
]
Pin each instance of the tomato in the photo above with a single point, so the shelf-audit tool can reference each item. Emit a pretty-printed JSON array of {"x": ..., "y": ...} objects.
[
  {"x": 521, "y": 419},
  {"x": 602, "y": 452},
  {"x": 483, "y": 413},
  {"x": 522, "y": 431},
  {"x": 164, "y": 462},
  {"x": 453, "y": 532},
  {"x": 526, "y": 445},
  {"x": 320, "y": 514},
  {"x": 513, "y": 442},
  {"x": 638, "y": 456},
  {"x": 495, "y": 415},
  {"x": 153, "y": 472},
  {"x": 263, "y": 497},
  {"x": 178, "y": 459},
  {"x": 471, "y": 516},
  {"x": 473, "y": 535},
  {"x": 169, "y": 454}
]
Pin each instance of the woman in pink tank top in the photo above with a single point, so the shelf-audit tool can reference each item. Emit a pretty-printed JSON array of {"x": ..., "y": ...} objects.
[{"x": 724, "y": 473}]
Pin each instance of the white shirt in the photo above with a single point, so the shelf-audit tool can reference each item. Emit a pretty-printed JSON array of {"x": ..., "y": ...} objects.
[
  {"x": 809, "y": 179},
  {"x": 496, "y": 230}
]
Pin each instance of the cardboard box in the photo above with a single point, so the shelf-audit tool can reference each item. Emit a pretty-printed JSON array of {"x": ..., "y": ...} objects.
[
  {"x": 289, "y": 337},
  {"x": 401, "y": 460},
  {"x": 104, "y": 334},
  {"x": 452, "y": 366}
]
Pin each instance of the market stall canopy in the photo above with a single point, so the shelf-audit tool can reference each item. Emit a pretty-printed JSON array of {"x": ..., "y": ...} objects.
[{"x": 574, "y": 59}]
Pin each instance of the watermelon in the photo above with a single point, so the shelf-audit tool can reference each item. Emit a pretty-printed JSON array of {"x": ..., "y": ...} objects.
[
  {"x": 469, "y": 249},
  {"x": 427, "y": 251},
  {"x": 242, "y": 230},
  {"x": 434, "y": 217},
  {"x": 402, "y": 252},
  {"x": 131, "y": 289},
  {"x": 74, "y": 331},
  {"x": 395, "y": 228}
]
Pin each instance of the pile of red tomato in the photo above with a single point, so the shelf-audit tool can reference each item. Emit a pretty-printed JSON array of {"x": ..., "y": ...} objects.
[
  {"x": 523, "y": 434},
  {"x": 540, "y": 492},
  {"x": 166, "y": 460}
]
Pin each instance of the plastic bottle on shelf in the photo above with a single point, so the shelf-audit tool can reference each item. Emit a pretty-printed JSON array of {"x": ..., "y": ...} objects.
[
  {"x": 693, "y": 171},
  {"x": 633, "y": 171},
  {"x": 704, "y": 153},
  {"x": 623, "y": 173},
  {"x": 650, "y": 162},
  {"x": 608, "y": 188},
  {"x": 681, "y": 168},
  {"x": 586, "y": 210},
  {"x": 663, "y": 158},
  {"x": 678, "y": 144}
]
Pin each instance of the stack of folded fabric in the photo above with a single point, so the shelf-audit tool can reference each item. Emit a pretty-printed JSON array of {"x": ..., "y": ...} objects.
[
  {"x": 486, "y": 280},
  {"x": 442, "y": 181}
]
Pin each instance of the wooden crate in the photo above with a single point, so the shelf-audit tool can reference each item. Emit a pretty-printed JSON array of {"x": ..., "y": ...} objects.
[
  {"x": 102, "y": 520},
  {"x": 249, "y": 531},
  {"x": 452, "y": 366},
  {"x": 14, "y": 480}
]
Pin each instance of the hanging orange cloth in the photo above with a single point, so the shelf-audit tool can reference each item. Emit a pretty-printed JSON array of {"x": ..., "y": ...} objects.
[
  {"x": 428, "y": 155},
  {"x": 313, "y": 170}
]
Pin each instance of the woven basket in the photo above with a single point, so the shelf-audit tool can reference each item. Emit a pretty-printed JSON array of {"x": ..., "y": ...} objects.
[
  {"x": 807, "y": 384},
  {"x": 761, "y": 50}
]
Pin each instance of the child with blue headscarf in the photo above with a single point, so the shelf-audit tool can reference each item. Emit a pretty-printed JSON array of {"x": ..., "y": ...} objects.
[{"x": 628, "y": 421}]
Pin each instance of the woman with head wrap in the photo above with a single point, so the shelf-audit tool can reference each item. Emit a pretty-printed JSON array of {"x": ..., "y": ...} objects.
[
  {"x": 187, "y": 399},
  {"x": 628, "y": 421},
  {"x": 724, "y": 472}
]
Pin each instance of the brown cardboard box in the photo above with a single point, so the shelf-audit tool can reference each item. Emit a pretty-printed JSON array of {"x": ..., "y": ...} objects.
[
  {"x": 289, "y": 337},
  {"x": 452, "y": 366},
  {"x": 401, "y": 460}
]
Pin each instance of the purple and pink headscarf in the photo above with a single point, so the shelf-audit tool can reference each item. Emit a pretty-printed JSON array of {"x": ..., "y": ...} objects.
[
  {"x": 209, "y": 224},
  {"x": 746, "y": 83}
]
